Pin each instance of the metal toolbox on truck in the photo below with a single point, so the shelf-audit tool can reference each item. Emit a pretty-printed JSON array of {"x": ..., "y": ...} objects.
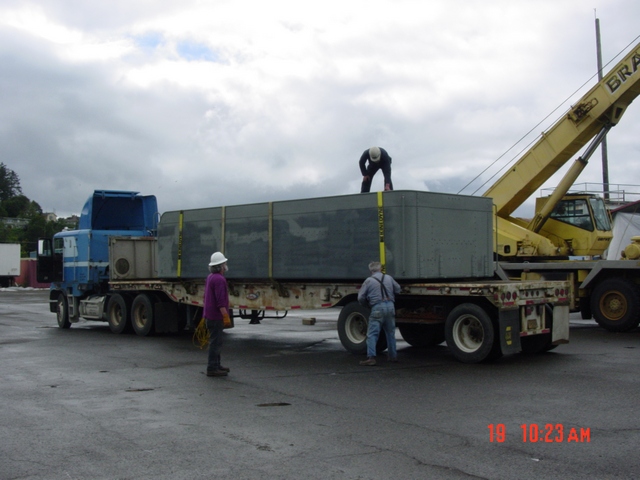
[
  {"x": 132, "y": 258},
  {"x": 421, "y": 235}
]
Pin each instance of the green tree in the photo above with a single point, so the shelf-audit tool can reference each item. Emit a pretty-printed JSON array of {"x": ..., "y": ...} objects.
[
  {"x": 33, "y": 209},
  {"x": 9, "y": 183},
  {"x": 10, "y": 235},
  {"x": 16, "y": 206}
]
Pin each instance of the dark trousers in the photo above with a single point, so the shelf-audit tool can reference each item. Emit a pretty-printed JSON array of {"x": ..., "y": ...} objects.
[
  {"x": 216, "y": 332},
  {"x": 372, "y": 168}
]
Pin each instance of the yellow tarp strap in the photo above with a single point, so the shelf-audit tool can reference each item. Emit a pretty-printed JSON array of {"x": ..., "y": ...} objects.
[
  {"x": 383, "y": 260},
  {"x": 180, "y": 225},
  {"x": 270, "y": 240},
  {"x": 223, "y": 220}
]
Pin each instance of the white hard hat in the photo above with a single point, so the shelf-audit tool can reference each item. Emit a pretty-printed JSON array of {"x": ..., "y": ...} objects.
[
  {"x": 216, "y": 259},
  {"x": 374, "y": 154}
]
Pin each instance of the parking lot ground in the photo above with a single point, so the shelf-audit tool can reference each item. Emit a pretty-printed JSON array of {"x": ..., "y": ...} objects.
[{"x": 85, "y": 403}]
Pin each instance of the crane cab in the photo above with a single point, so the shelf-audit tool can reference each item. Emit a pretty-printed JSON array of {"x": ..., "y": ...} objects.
[{"x": 580, "y": 221}]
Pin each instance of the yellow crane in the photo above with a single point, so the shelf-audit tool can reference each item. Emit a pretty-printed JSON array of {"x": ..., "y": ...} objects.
[
  {"x": 571, "y": 225},
  {"x": 564, "y": 225}
]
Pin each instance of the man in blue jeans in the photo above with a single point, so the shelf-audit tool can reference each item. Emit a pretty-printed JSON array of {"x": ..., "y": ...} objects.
[{"x": 379, "y": 291}]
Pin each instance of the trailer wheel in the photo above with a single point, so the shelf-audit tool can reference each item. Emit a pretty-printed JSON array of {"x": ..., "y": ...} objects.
[
  {"x": 470, "y": 334},
  {"x": 142, "y": 315},
  {"x": 118, "y": 313},
  {"x": 62, "y": 311},
  {"x": 352, "y": 329},
  {"x": 421, "y": 336},
  {"x": 616, "y": 304}
]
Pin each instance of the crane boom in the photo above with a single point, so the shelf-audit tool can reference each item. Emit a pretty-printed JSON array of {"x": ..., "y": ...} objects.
[{"x": 601, "y": 107}]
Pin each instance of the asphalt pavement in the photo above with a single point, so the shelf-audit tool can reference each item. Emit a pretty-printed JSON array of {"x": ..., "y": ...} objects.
[{"x": 85, "y": 403}]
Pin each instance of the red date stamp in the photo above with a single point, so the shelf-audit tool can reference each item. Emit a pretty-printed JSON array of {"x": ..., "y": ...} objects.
[{"x": 547, "y": 433}]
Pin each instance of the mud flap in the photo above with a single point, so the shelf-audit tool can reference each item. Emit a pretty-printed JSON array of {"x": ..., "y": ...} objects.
[
  {"x": 560, "y": 332},
  {"x": 509, "y": 331}
]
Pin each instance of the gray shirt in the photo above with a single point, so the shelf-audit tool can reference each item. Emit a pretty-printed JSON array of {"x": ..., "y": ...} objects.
[{"x": 371, "y": 289}]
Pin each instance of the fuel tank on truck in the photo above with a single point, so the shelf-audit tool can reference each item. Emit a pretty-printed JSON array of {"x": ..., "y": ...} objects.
[{"x": 418, "y": 235}]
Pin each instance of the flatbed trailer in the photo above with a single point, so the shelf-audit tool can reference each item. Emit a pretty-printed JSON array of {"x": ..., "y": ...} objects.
[{"x": 479, "y": 320}]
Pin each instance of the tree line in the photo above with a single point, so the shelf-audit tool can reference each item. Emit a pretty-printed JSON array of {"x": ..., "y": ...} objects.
[{"x": 13, "y": 204}]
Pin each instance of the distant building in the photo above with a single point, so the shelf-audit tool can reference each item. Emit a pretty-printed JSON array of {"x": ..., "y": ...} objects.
[
  {"x": 72, "y": 221},
  {"x": 14, "y": 222}
]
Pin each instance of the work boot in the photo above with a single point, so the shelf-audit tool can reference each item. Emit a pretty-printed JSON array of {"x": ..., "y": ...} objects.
[
  {"x": 224, "y": 369},
  {"x": 369, "y": 362},
  {"x": 217, "y": 373}
]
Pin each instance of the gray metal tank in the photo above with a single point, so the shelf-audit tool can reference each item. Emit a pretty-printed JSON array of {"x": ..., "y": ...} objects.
[{"x": 426, "y": 235}]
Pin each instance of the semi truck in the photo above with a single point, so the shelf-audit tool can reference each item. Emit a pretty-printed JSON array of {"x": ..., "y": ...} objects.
[
  {"x": 138, "y": 270},
  {"x": 9, "y": 263},
  {"x": 568, "y": 233}
]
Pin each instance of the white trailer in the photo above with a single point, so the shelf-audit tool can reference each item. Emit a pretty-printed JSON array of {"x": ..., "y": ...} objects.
[{"x": 9, "y": 263}]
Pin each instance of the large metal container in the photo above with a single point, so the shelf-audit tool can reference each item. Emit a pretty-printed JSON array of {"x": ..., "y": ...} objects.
[{"x": 424, "y": 235}]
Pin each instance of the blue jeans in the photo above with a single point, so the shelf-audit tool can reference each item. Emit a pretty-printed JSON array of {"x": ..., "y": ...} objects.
[
  {"x": 383, "y": 317},
  {"x": 216, "y": 332}
]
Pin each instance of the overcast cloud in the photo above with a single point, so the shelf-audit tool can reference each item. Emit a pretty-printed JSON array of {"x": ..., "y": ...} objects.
[{"x": 207, "y": 103}]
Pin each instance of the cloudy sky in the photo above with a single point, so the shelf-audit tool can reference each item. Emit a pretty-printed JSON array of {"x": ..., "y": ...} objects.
[{"x": 206, "y": 103}]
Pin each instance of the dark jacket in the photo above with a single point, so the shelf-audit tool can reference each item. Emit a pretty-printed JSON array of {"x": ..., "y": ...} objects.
[{"x": 385, "y": 159}]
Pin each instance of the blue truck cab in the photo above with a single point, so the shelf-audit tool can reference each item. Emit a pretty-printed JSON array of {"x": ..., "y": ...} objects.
[{"x": 76, "y": 262}]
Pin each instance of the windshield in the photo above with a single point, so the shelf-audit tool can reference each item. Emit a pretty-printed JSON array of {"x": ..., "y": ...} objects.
[
  {"x": 600, "y": 214},
  {"x": 574, "y": 212}
]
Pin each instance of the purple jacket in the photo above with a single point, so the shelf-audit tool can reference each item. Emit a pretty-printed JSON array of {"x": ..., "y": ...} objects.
[{"x": 216, "y": 295}]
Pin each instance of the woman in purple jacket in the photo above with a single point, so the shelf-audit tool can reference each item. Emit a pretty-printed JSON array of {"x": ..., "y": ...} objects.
[{"x": 216, "y": 308}]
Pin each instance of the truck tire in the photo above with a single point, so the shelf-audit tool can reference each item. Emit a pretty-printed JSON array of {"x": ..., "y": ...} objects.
[
  {"x": 142, "y": 315},
  {"x": 421, "y": 336},
  {"x": 352, "y": 329},
  {"x": 118, "y": 310},
  {"x": 615, "y": 304},
  {"x": 62, "y": 311},
  {"x": 470, "y": 334}
]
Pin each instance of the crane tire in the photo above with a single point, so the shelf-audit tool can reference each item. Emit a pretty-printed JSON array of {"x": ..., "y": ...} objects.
[{"x": 615, "y": 303}]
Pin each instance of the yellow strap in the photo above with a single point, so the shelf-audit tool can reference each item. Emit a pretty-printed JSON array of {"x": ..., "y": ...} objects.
[
  {"x": 223, "y": 220},
  {"x": 180, "y": 225},
  {"x": 270, "y": 240},
  {"x": 383, "y": 260}
]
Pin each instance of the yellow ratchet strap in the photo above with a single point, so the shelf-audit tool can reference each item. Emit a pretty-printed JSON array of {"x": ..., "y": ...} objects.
[{"x": 383, "y": 260}]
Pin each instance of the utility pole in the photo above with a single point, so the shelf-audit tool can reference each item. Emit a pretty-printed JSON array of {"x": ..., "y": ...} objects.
[{"x": 605, "y": 156}]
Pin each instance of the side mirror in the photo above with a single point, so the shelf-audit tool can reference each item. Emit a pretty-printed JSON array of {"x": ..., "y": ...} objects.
[{"x": 44, "y": 247}]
